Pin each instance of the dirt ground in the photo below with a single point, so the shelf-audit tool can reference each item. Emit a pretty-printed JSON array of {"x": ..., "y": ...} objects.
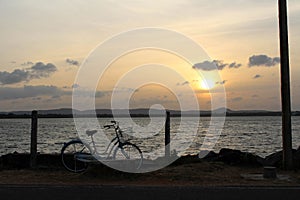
[{"x": 200, "y": 174}]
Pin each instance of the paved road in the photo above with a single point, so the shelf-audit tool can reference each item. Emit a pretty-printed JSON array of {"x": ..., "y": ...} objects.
[{"x": 45, "y": 192}]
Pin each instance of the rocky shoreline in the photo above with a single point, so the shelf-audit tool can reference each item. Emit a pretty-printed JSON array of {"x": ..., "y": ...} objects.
[{"x": 227, "y": 156}]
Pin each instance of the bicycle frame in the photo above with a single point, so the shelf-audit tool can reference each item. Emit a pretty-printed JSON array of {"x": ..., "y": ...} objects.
[
  {"x": 117, "y": 151},
  {"x": 114, "y": 143}
]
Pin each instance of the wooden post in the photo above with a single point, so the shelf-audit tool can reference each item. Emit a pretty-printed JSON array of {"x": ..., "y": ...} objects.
[
  {"x": 285, "y": 87},
  {"x": 33, "y": 143},
  {"x": 167, "y": 135}
]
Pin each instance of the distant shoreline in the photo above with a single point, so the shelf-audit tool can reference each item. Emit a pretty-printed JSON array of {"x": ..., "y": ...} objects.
[
  {"x": 248, "y": 114},
  {"x": 139, "y": 112}
]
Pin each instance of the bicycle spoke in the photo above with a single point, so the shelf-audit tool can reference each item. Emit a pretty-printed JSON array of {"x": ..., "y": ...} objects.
[
  {"x": 75, "y": 165},
  {"x": 70, "y": 153},
  {"x": 131, "y": 154},
  {"x": 121, "y": 150},
  {"x": 125, "y": 154}
]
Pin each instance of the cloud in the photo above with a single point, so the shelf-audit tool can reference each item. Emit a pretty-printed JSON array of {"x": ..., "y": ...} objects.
[
  {"x": 257, "y": 76},
  {"x": 183, "y": 83},
  {"x": 36, "y": 98},
  {"x": 72, "y": 62},
  {"x": 263, "y": 60},
  {"x": 37, "y": 71},
  {"x": 221, "y": 82},
  {"x": 234, "y": 65},
  {"x": 18, "y": 75},
  {"x": 125, "y": 89},
  {"x": 99, "y": 94},
  {"x": 27, "y": 63},
  {"x": 209, "y": 66},
  {"x": 78, "y": 92},
  {"x": 36, "y": 92},
  {"x": 75, "y": 85},
  {"x": 215, "y": 65},
  {"x": 55, "y": 97},
  {"x": 8, "y": 93},
  {"x": 237, "y": 99}
]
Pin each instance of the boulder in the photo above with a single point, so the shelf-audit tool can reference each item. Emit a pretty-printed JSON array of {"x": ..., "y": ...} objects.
[
  {"x": 22, "y": 161},
  {"x": 230, "y": 156},
  {"x": 209, "y": 156},
  {"x": 274, "y": 160},
  {"x": 237, "y": 157},
  {"x": 296, "y": 158},
  {"x": 15, "y": 161},
  {"x": 188, "y": 159}
]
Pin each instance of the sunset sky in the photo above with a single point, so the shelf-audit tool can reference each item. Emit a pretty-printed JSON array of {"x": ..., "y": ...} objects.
[{"x": 44, "y": 43}]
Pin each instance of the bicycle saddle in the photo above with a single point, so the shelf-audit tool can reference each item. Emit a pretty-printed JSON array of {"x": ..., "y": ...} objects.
[{"x": 91, "y": 132}]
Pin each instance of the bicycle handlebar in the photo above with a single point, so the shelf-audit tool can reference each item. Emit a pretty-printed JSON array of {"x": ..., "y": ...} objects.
[
  {"x": 110, "y": 125},
  {"x": 115, "y": 125},
  {"x": 107, "y": 126}
]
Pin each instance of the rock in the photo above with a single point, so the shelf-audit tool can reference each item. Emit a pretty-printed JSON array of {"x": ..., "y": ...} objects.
[
  {"x": 233, "y": 157},
  {"x": 230, "y": 156},
  {"x": 22, "y": 161},
  {"x": 236, "y": 157},
  {"x": 296, "y": 158},
  {"x": 188, "y": 159},
  {"x": 275, "y": 159},
  {"x": 15, "y": 161},
  {"x": 209, "y": 156}
]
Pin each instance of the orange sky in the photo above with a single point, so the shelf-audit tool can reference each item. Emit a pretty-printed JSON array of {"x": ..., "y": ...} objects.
[{"x": 64, "y": 33}]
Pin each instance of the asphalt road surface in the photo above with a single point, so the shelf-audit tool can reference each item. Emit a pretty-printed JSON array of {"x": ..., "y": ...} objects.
[{"x": 45, "y": 192}]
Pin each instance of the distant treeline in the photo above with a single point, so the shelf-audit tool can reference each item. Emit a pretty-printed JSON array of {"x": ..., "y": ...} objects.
[{"x": 238, "y": 114}]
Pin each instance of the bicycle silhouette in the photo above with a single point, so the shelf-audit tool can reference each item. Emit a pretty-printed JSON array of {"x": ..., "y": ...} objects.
[{"x": 76, "y": 155}]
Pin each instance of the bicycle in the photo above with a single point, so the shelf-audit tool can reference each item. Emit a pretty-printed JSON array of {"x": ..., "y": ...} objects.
[{"x": 76, "y": 155}]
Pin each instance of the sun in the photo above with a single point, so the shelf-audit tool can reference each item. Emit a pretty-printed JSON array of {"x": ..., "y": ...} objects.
[{"x": 207, "y": 84}]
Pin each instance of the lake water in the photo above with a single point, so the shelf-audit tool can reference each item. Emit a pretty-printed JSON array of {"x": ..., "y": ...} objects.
[{"x": 259, "y": 135}]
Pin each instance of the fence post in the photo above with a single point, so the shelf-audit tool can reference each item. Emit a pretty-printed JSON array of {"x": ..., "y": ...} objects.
[
  {"x": 33, "y": 143},
  {"x": 285, "y": 87},
  {"x": 167, "y": 135}
]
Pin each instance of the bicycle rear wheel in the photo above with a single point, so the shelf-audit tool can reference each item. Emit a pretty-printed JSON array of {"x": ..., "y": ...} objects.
[
  {"x": 129, "y": 152},
  {"x": 69, "y": 154}
]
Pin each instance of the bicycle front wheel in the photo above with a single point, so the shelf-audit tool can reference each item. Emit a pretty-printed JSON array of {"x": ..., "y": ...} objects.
[
  {"x": 129, "y": 152},
  {"x": 69, "y": 154}
]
